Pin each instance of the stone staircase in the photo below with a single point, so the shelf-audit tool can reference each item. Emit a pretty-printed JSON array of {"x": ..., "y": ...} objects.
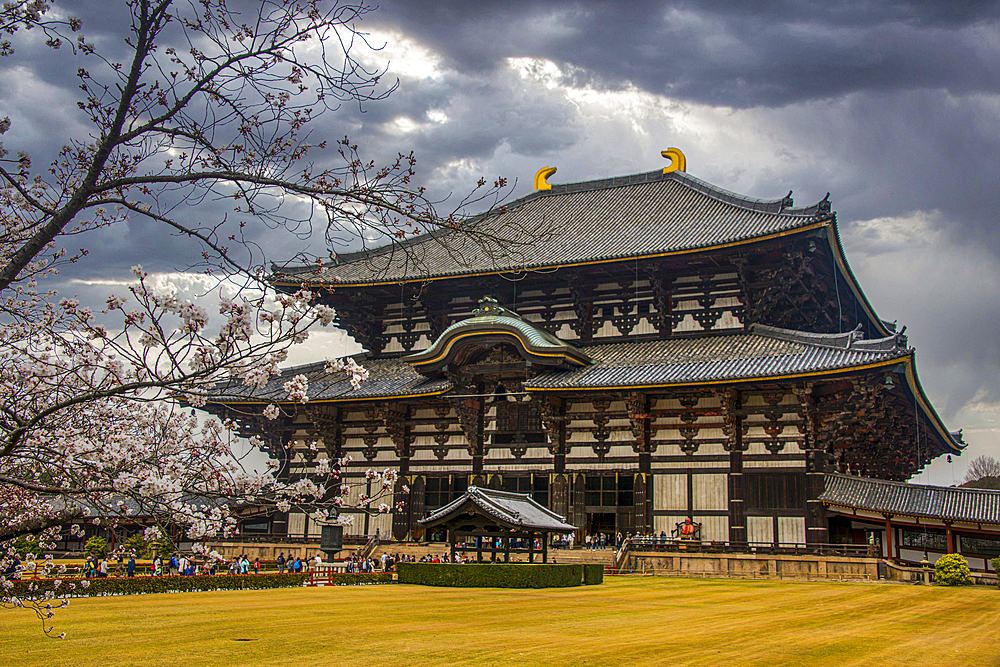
[{"x": 582, "y": 556}]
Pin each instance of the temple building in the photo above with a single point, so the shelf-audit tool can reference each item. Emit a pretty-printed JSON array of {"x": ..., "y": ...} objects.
[{"x": 664, "y": 349}]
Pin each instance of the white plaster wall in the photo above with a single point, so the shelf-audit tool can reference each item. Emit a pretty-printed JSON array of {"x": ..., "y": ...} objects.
[{"x": 710, "y": 492}]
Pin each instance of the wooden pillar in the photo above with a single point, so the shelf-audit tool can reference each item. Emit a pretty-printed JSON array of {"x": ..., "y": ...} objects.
[
  {"x": 452, "y": 537},
  {"x": 479, "y": 548},
  {"x": 951, "y": 537},
  {"x": 888, "y": 536},
  {"x": 531, "y": 547},
  {"x": 506, "y": 548},
  {"x": 733, "y": 428},
  {"x": 545, "y": 547}
]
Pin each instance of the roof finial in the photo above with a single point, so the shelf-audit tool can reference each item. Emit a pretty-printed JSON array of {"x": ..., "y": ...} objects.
[
  {"x": 542, "y": 177},
  {"x": 678, "y": 161}
]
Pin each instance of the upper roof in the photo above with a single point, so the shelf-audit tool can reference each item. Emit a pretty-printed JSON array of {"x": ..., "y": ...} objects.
[
  {"x": 915, "y": 500},
  {"x": 616, "y": 218},
  {"x": 512, "y": 510}
]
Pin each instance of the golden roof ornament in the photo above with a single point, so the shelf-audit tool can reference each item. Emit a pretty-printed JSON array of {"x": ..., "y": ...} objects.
[
  {"x": 542, "y": 177},
  {"x": 677, "y": 160}
]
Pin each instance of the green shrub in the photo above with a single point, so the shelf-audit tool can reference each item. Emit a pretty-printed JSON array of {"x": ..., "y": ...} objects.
[
  {"x": 355, "y": 578},
  {"x": 137, "y": 544},
  {"x": 492, "y": 575},
  {"x": 952, "y": 570},
  {"x": 593, "y": 573},
  {"x": 96, "y": 546},
  {"x": 175, "y": 584},
  {"x": 995, "y": 562}
]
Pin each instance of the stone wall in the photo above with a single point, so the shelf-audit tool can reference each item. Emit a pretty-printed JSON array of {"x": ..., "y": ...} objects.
[{"x": 755, "y": 566}]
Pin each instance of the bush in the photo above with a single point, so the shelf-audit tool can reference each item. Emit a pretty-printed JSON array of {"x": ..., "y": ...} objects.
[
  {"x": 492, "y": 575},
  {"x": 354, "y": 578},
  {"x": 96, "y": 546},
  {"x": 137, "y": 544},
  {"x": 593, "y": 573},
  {"x": 175, "y": 584},
  {"x": 952, "y": 570}
]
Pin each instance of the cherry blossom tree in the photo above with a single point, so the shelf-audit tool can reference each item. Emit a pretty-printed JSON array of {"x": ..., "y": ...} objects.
[{"x": 213, "y": 106}]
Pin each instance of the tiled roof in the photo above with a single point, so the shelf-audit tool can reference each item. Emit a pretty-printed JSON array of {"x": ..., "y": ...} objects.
[
  {"x": 516, "y": 510},
  {"x": 762, "y": 352},
  {"x": 386, "y": 377},
  {"x": 631, "y": 216},
  {"x": 918, "y": 500}
]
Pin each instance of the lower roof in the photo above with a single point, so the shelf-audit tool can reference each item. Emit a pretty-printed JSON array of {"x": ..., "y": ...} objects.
[
  {"x": 912, "y": 500},
  {"x": 761, "y": 353}
]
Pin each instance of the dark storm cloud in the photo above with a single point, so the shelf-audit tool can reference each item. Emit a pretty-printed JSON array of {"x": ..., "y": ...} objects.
[{"x": 727, "y": 53}]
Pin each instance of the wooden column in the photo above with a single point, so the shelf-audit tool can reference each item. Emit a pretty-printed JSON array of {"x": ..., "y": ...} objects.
[
  {"x": 639, "y": 419},
  {"x": 451, "y": 543},
  {"x": 506, "y": 548},
  {"x": 545, "y": 547},
  {"x": 733, "y": 428},
  {"x": 817, "y": 525},
  {"x": 888, "y": 536},
  {"x": 531, "y": 548},
  {"x": 951, "y": 537}
]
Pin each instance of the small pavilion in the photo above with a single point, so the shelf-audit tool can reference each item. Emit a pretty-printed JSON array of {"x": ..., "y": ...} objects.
[{"x": 498, "y": 522}]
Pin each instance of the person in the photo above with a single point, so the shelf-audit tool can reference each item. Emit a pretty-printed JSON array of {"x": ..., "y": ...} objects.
[
  {"x": 130, "y": 568},
  {"x": 318, "y": 560},
  {"x": 182, "y": 564},
  {"x": 244, "y": 564},
  {"x": 281, "y": 562},
  {"x": 102, "y": 569},
  {"x": 256, "y": 565},
  {"x": 297, "y": 565},
  {"x": 13, "y": 570}
]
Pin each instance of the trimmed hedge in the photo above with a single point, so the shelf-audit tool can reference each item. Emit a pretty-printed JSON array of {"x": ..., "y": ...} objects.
[
  {"x": 174, "y": 584},
  {"x": 354, "y": 578},
  {"x": 492, "y": 575},
  {"x": 593, "y": 573}
]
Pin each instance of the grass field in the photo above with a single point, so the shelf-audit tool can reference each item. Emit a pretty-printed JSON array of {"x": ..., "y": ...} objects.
[{"x": 626, "y": 621}]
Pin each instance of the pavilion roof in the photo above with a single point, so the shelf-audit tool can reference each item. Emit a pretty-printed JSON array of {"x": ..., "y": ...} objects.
[
  {"x": 512, "y": 510},
  {"x": 913, "y": 500},
  {"x": 592, "y": 221}
]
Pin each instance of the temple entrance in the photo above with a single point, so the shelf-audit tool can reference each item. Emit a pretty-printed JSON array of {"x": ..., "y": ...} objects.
[{"x": 601, "y": 522}]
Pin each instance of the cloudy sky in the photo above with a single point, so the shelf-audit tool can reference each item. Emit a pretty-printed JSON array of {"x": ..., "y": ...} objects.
[{"x": 891, "y": 107}]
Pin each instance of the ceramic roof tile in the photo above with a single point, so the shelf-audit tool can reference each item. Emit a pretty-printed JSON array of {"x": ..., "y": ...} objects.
[{"x": 598, "y": 220}]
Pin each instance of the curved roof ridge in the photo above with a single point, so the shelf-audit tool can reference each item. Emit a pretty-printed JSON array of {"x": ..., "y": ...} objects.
[{"x": 847, "y": 340}]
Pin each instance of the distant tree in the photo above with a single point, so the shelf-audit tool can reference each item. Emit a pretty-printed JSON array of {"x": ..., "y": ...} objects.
[
  {"x": 983, "y": 473},
  {"x": 96, "y": 546}
]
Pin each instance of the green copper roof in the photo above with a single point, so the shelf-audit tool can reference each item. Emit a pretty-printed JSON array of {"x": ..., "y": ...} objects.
[{"x": 492, "y": 322}]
